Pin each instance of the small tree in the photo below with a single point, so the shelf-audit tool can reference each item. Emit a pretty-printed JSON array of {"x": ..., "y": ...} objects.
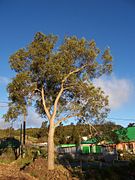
[
  {"x": 107, "y": 132},
  {"x": 43, "y": 131},
  {"x": 59, "y": 81}
]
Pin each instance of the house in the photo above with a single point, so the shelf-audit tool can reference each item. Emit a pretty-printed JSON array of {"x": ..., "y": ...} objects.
[
  {"x": 66, "y": 148},
  {"x": 90, "y": 146},
  {"x": 126, "y": 137},
  {"x": 95, "y": 146}
]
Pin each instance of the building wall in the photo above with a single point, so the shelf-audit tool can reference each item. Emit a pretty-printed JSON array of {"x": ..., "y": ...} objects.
[{"x": 129, "y": 147}]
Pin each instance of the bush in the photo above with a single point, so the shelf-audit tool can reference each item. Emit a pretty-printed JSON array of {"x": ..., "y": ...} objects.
[
  {"x": 127, "y": 156},
  {"x": 8, "y": 155},
  {"x": 30, "y": 154}
]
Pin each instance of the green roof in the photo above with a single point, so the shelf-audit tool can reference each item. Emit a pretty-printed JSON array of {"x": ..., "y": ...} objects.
[
  {"x": 67, "y": 145},
  {"x": 126, "y": 134},
  {"x": 131, "y": 133},
  {"x": 90, "y": 141}
]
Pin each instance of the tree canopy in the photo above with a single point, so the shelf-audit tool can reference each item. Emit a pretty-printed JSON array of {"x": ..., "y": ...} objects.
[
  {"x": 46, "y": 73},
  {"x": 59, "y": 82}
]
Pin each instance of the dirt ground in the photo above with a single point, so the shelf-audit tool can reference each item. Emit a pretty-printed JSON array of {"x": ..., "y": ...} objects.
[
  {"x": 39, "y": 170},
  {"x": 35, "y": 171},
  {"x": 12, "y": 172}
]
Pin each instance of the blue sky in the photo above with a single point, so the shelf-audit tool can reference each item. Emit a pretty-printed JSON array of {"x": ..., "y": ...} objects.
[{"x": 110, "y": 22}]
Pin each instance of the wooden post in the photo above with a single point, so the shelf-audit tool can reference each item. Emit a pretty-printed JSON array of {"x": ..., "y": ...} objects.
[
  {"x": 24, "y": 129},
  {"x": 21, "y": 140},
  {"x": 21, "y": 134}
]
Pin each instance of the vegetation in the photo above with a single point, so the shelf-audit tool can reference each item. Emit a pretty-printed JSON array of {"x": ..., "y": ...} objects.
[
  {"x": 35, "y": 162},
  {"x": 112, "y": 173},
  {"x": 66, "y": 134},
  {"x": 59, "y": 82},
  {"x": 10, "y": 132},
  {"x": 107, "y": 132}
]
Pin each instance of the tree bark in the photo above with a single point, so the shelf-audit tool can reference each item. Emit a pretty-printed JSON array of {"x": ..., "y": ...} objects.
[{"x": 51, "y": 146}]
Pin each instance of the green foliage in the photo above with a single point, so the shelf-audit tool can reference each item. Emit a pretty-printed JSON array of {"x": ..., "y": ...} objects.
[
  {"x": 43, "y": 131},
  {"x": 131, "y": 124},
  {"x": 8, "y": 149},
  {"x": 107, "y": 132},
  {"x": 9, "y": 142},
  {"x": 4, "y": 133},
  {"x": 112, "y": 173},
  {"x": 127, "y": 156},
  {"x": 10, "y": 132},
  {"x": 67, "y": 71},
  {"x": 71, "y": 134},
  {"x": 67, "y": 134},
  {"x": 32, "y": 132},
  {"x": 7, "y": 156},
  {"x": 31, "y": 153},
  {"x": 75, "y": 136}
]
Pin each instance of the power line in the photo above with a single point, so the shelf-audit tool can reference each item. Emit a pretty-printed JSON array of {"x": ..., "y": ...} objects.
[
  {"x": 3, "y": 106},
  {"x": 109, "y": 118},
  {"x": 4, "y": 102},
  {"x": 123, "y": 119}
]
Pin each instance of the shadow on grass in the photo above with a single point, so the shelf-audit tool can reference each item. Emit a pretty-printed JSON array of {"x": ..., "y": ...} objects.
[{"x": 9, "y": 143}]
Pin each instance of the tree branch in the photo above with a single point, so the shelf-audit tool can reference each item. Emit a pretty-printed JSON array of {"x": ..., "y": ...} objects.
[
  {"x": 38, "y": 90},
  {"x": 62, "y": 89},
  {"x": 65, "y": 118},
  {"x": 44, "y": 104},
  {"x": 93, "y": 127},
  {"x": 90, "y": 128},
  {"x": 72, "y": 72},
  {"x": 66, "y": 88},
  {"x": 56, "y": 101}
]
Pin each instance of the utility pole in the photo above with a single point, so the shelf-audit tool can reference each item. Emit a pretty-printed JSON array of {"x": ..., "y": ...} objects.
[
  {"x": 21, "y": 134},
  {"x": 24, "y": 128},
  {"x": 21, "y": 148}
]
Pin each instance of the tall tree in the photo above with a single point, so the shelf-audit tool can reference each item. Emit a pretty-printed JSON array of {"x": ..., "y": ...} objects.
[
  {"x": 59, "y": 81},
  {"x": 107, "y": 132}
]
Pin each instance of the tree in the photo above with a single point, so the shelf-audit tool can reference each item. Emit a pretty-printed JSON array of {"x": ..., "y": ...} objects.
[
  {"x": 107, "y": 132},
  {"x": 131, "y": 124},
  {"x": 43, "y": 131},
  {"x": 59, "y": 81},
  {"x": 75, "y": 136}
]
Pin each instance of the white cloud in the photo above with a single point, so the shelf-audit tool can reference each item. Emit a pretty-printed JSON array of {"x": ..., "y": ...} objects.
[
  {"x": 118, "y": 90},
  {"x": 4, "y": 80},
  {"x": 33, "y": 119},
  {"x": 3, "y": 124}
]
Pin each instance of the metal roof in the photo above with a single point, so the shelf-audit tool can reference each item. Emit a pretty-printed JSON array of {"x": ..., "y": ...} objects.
[
  {"x": 90, "y": 141},
  {"x": 126, "y": 134}
]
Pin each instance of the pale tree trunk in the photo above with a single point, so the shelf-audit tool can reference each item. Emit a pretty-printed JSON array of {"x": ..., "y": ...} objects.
[
  {"x": 52, "y": 117},
  {"x": 51, "y": 146}
]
